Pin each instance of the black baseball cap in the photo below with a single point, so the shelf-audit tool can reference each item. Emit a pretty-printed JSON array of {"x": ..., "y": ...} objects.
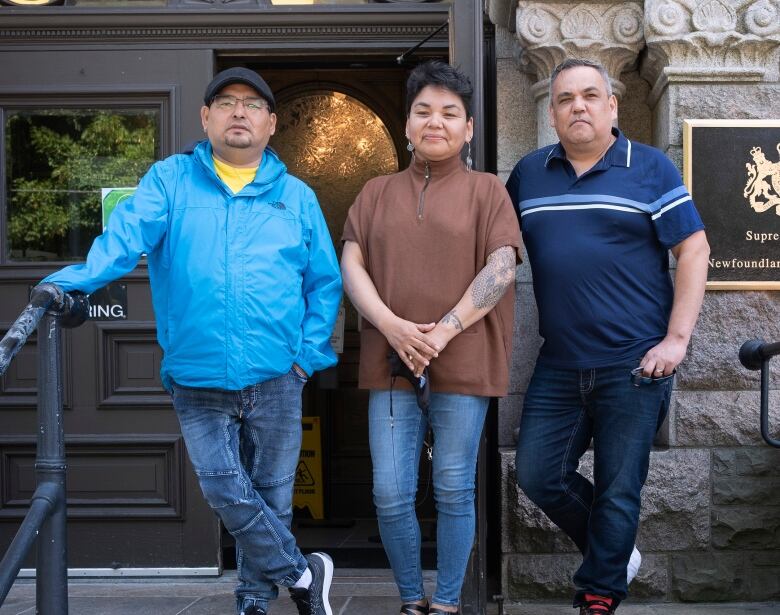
[{"x": 239, "y": 74}]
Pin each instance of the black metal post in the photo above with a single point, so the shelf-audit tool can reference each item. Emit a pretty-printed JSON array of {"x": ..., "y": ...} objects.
[
  {"x": 765, "y": 406},
  {"x": 40, "y": 507},
  {"x": 50, "y": 309},
  {"x": 755, "y": 355},
  {"x": 52, "y": 567}
]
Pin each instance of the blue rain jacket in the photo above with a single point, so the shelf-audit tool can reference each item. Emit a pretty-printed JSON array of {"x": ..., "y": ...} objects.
[{"x": 243, "y": 285}]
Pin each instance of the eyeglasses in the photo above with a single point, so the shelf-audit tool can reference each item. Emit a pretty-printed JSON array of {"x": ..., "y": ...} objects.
[
  {"x": 638, "y": 379},
  {"x": 225, "y": 102}
]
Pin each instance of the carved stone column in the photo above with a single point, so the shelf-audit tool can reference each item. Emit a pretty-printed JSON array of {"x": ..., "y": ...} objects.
[
  {"x": 608, "y": 32},
  {"x": 711, "y": 58},
  {"x": 710, "y": 40}
]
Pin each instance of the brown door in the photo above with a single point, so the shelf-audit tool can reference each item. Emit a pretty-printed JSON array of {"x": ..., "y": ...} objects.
[
  {"x": 338, "y": 126},
  {"x": 75, "y": 123},
  {"x": 133, "y": 500}
]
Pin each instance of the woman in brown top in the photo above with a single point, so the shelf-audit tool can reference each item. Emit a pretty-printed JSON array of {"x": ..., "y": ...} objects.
[{"x": 428, "y": 255}]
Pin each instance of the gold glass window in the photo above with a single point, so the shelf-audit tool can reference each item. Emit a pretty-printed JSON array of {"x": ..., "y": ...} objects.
[
  {"x": 57, "y": 162},
  {"x": 335, "y": 144}
]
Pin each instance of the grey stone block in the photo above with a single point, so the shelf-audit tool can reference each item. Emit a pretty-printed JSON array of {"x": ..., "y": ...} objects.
[
  {"x": 741, "y": 527},
  {"x": 701, "y": 577},
  {"x": 710, "y": 100},
  {"x": 652, "y": 581},
  {"x": 516, "y": 128},
  {"x": 757, "y": 461},
  {"x": 675, "y": 154},
  {"x": 538, "y": 577},
  {"x": 526, "y": 339},
  {"x": 509, "y": 410},
  {"x": 721, "y": 418},
  {"x": 724, "y": 462},
  {"x": 675, "y": 501},
  {"x": 667, "y": 433},
  {"x": 764, "y": 575},
  {"x": 549, "y": 577},
  {"x": 526, "y": 529},
  {"x": 523, "y": 273},
  {"x": 746, "y": 491},
  {"x": 507, "y": 45},
  {"x": 727, "y": 320},
  {"x": 701, "y": 100},
  {"x": 675, "y": 513},
  {"x": 634, "y": 116},
  {"x": 662, "y": 124},
  {"x": 746, "y": 461}
]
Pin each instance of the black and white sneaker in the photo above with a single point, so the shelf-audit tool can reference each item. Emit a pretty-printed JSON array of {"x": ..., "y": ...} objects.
[
  {"x": 253, "y": 609},
  {"x": 313, "y": 600}
]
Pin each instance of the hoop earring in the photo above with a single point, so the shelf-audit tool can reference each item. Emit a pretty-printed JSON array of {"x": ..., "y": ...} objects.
[{"x": 469, "y": 161}]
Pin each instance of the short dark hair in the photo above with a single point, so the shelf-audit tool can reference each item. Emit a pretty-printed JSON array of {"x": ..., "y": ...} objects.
[
  {"x": 442, "y": 75},
  {"x": 575, "y": 62}
]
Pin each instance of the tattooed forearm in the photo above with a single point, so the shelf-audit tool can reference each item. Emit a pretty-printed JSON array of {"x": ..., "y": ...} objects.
[
  {"x": 451, "y": 318},
  {"x": 496, "y": 276}
]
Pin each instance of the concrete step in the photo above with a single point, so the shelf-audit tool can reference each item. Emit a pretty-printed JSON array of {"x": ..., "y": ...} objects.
[{"x": 358, "y": 592}]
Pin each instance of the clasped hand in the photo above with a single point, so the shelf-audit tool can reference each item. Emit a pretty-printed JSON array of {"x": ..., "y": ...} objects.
[{"x": 412, "y": 342}]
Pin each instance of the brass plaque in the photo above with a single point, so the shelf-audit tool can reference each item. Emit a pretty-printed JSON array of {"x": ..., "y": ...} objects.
[{"x": 732, "y": 170}]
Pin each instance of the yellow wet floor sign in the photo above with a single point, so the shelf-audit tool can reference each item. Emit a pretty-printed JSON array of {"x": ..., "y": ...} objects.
[{"x": 308, "y": 476}]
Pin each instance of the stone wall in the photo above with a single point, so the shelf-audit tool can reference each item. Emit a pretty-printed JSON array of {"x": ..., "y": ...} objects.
[{"x": 710, "y": 521}]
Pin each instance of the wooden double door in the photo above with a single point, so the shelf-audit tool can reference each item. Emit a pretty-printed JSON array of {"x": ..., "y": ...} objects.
[{"x": 84, "y": 116}]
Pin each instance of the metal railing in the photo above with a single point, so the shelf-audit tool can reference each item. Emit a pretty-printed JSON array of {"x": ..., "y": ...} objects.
[
  {"x": 49, "y": 309},
  {"x": 755, "y": 355}
]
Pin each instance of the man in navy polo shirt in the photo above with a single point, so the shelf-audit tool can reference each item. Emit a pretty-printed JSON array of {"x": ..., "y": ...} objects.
[{"x": 599, "y": 214}]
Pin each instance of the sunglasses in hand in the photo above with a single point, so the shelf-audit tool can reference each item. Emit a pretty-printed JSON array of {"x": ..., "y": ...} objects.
[{"x": 638, "y": 379}]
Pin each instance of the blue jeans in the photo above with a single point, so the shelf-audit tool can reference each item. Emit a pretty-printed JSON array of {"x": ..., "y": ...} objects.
[
  {"x": 244, "y": 446},
  {"x": 564, "y": 410},
  {"x": 396, "y": 443}
]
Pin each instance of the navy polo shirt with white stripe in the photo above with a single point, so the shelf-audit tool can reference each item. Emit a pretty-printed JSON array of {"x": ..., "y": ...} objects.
[{"x": 598, "y": 247}]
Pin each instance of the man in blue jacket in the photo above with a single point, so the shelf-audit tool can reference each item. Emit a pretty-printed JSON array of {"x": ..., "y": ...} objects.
[{"x": 246, "y": 288}]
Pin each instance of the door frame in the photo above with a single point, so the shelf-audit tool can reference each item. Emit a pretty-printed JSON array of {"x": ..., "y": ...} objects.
[{"x": 374, "y": 29}]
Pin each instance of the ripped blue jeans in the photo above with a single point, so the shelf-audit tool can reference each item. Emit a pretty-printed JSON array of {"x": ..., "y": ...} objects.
[{"x": 244, "y": 447}]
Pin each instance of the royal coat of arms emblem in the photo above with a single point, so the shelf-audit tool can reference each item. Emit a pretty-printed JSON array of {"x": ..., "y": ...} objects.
[{"x": 763, "y": 185}]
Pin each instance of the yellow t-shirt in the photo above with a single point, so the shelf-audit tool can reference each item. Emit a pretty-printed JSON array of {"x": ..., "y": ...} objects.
[{"x": 235, "y": 177}]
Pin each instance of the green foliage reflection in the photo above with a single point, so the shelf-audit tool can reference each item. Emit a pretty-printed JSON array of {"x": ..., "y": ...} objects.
[{"x": 57, "y": 163}]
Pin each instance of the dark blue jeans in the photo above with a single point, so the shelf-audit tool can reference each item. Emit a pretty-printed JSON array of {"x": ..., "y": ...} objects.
[
  {"x": 244, "y": 446},
  {"x": 564, "y": 411}
]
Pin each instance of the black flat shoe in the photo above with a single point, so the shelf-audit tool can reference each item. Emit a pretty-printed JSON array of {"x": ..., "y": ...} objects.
[{"x": 412, "y": 608}]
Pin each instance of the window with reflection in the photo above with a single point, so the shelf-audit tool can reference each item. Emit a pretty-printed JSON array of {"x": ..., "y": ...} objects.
[
  {"x": 335, "y": 144},
  {"x": 57, "y": 162}
]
